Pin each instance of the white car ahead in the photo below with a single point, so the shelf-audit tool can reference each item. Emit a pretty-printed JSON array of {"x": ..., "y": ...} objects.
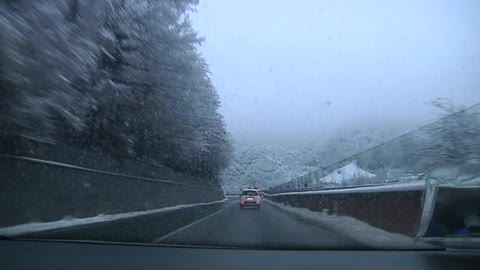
[{"x": 250, "y": 198}]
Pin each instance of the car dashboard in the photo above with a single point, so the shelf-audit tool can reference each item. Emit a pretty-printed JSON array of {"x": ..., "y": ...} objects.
[{"x": 28, "y": 254}]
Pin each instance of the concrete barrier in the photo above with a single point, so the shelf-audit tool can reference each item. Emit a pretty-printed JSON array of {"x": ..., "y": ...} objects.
[
  {"x": 33, "y": 191},
  {"x": 389, "y": 209},
  {"x": 41, "y": 181}
]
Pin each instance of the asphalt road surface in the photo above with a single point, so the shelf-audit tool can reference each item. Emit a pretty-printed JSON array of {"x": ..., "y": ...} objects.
[{"x": 269, "y": 227}]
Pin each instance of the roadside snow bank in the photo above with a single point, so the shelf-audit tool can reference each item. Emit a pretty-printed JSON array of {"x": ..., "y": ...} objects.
[
  {"x": 354, "y": 229},
  {"x": 70, "y": 221}
]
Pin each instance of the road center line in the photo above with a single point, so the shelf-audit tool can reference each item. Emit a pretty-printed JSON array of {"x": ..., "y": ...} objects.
[{"x": 187, "y": 226}]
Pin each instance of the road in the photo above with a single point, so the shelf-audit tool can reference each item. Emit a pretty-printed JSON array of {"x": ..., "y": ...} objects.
[
  {"x": 224, "y": 225},
  {"x": 264, "y": 228}
]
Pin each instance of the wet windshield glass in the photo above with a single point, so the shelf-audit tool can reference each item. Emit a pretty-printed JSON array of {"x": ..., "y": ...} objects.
[{"x": 271, "y": 124}]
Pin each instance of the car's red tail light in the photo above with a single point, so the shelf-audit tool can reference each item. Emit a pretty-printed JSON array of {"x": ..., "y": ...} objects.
[
  {"x": 242, "y": 202},
  {"x": 257, "y": 202}
]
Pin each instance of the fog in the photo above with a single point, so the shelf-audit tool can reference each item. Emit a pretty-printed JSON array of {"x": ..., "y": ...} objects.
[{"x": 298, "y": 71}]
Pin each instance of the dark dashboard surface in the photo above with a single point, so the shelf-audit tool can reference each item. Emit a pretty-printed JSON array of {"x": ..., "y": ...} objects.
[{"x": 75, "y": 255}]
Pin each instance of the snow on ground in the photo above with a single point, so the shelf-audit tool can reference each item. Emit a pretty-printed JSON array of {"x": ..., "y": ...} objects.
[
  {"x": 70, "y": 221},
  {"x": 414, "y": 185},
  {"x": 345, "y": 173},
  {"x": 354, "y": 229}
]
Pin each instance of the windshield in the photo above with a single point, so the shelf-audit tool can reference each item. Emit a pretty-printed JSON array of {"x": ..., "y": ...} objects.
[
  {"x": 250, "y": 193},
  {"x": 267, "y": 124}
]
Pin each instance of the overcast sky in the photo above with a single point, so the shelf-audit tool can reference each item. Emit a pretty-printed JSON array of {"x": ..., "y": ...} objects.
[{"x": 294, "y": 71}]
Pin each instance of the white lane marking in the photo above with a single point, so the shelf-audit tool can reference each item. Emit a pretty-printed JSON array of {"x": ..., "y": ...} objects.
[{"x": 188, "y": 226}]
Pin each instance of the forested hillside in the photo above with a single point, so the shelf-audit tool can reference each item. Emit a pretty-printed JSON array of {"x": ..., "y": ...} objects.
[
  {"x": 269, "y": 165},
  {"x": 122, "y": 78}
]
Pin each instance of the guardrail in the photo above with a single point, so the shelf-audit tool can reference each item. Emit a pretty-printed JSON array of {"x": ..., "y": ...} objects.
[{"x": 414, "y": 185}]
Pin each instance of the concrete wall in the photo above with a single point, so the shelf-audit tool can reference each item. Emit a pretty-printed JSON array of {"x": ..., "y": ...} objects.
[
  {"x": 45, "y": 150},
  {"x": 35, "y": 190},
  {"x": 394, "y": 211}
]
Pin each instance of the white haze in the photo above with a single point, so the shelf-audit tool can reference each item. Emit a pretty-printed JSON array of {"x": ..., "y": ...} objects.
[{"x": 296, "y": 71}]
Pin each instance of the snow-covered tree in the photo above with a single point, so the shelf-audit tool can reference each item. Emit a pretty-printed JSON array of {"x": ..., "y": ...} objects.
[
  {"x": 46, "y": 57},
  {"x": 455, "y": 138},
  {"x": 123, "y": 77}
]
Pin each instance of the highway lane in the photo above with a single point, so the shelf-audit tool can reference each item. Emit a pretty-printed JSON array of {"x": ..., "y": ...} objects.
[
  {"x": 269, "y": 227},
  {"x": 222, "y": 225}
]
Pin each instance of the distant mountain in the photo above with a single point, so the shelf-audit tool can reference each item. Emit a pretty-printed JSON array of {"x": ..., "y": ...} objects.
[
  {"x": 263, "y": 166},
  {"x": 345, "y": 144},
  {"x": 268, "y": 165}
]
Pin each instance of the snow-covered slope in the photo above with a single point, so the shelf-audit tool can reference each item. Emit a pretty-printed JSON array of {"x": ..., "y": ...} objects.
[
  {"x": 268, "y": 165},
  {"x": 344, "y": 174},
  {"x": 264, "y": 166}
]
